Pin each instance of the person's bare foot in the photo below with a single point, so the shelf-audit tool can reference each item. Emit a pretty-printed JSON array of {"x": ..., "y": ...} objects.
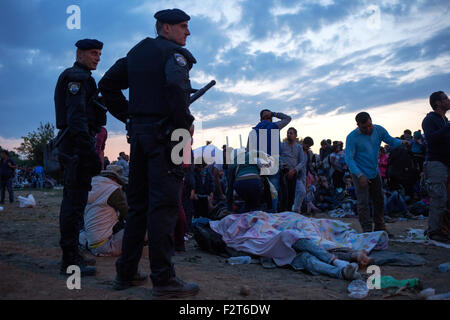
[{"x": 362, "y": 259}]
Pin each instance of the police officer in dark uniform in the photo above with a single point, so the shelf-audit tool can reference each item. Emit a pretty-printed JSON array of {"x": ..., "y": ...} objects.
[
  {"x": 79, "y": 117},
  {"x": 157, "y": 73}
]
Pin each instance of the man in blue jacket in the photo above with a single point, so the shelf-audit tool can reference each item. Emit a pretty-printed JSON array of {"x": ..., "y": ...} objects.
[
  {"x": 361, "y": 156},
  {"x": 436, "y": 129},
  {"x": 272, "y": 134}
]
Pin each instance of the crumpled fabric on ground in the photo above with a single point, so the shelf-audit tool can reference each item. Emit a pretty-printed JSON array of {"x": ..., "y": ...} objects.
[
  {"x": 272, "y": 235},
  {"x": 395, "y": 258},
  {"x": 341, "y": 213}
]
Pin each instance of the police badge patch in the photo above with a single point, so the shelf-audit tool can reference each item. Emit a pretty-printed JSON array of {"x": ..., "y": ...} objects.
[
  {"x": 74, "y": 87},
  {"x": 180, "y": 59}
]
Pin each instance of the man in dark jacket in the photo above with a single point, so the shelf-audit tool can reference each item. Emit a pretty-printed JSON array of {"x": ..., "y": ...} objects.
[
  {"x": 7, "y": 167},
  {"x": 436, "y": 129},
  {"x": 157, "y": 73},
  {"x": 79, "y": 118}
]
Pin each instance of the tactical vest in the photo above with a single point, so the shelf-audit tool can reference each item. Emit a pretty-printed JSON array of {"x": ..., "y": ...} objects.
[
  {"x": 96, "y": 117},
  {"x": 146, "y": 76}
]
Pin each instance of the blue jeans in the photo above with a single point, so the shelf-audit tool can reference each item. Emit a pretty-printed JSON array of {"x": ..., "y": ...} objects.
[
  {"x": 39, "y": 181},
  {"x": 395, "y": 203},
  {"x": 275, "y": 180},
  {"x": 300, "y": 193},
  {"x": 314, "y": 259}
]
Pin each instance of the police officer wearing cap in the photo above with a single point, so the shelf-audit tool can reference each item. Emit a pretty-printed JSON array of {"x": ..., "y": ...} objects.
[
  {"x": 79, "y": 118},
  {"x": 157, "y": 73}
]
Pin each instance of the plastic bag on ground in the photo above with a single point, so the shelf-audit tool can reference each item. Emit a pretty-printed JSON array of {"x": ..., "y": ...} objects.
[
  {"x": 358, "y": 289},
  {"x": 27, "y": 202}
]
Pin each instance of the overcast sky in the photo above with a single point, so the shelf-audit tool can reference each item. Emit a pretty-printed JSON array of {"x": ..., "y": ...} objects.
[{"x": 309, "y": 59}]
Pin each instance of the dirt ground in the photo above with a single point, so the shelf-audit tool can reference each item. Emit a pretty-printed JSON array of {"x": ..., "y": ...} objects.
[{"x": 30, "y": 256}]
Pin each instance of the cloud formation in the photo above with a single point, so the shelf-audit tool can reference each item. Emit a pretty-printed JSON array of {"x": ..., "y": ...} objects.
[{"x": 305, "y": 58}]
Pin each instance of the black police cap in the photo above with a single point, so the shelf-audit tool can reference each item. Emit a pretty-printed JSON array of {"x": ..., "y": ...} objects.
[
  {"x": 172, "y": 16},
  {"x": 88, "y": 44}
]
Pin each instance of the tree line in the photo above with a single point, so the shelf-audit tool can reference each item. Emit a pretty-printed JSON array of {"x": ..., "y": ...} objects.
[{"x": 31, "y": 151}]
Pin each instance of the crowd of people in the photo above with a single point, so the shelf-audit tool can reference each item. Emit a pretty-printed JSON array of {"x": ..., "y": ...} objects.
[
  {"x": 308, "y": 183},
  {"x": 148, "y": 199}
]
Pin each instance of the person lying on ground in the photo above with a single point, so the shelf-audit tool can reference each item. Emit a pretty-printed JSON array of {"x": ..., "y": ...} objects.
[{"x": 317, "y": 260}]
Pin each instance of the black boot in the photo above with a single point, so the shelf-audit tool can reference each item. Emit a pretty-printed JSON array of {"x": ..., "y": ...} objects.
[
  {"x": 138, "y": 279},
  {"x": 74, "y": 258},
  {"x": 175, "y": 288}
]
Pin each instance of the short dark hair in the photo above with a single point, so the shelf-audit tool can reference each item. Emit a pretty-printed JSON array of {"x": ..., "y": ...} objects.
[
  {"x": 292, "y": 128},
  {"x": 408, "y": 131},
  {"x": 159, "y": 27},
  {"x": 262, "y": 111},
  {"x": 323, "y": 142},
  {"x": 309, "y": 141},
  {"x": 435, "y": 97},
  {"x": 362, "y": 117},
  {"x": 5, "y": 152}
]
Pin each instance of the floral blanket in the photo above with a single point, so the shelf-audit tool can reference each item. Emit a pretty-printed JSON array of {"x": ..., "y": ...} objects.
[{"x": 273, "y": 234}]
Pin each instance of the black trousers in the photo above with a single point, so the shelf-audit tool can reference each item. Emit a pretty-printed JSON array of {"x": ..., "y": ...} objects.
[
  {"x": 77, "y": 184},
  {"x": 153, "y": 198},
  {"x": 338, "y": 179},
  {"x": 6, "y": 184}
]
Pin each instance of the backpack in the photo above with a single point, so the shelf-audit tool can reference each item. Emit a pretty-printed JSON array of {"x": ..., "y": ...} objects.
[{"x": 52, "y": 166}]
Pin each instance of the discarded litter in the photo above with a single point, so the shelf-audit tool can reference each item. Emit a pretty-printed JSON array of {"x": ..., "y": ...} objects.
[
  {"x": 425, "y": 242},
  {"x": 445, "y": 267},
  {"x": 391, "y": 282},
  {"x": 442, "y": 296},
  {"x": 358, "y": 289},
  {"x": 239, "y": 260},
  {"x": 27, "y": 202},
  {"x": 427, "y": 293},
  {"x": 341, "y": 213},
  {"x": 416, "y": 234}
]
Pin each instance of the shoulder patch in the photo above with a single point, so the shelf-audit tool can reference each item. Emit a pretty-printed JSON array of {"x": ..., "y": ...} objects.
[
  {"x": 180, "y": 59},
  {"x": 74, "y": 87}
]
